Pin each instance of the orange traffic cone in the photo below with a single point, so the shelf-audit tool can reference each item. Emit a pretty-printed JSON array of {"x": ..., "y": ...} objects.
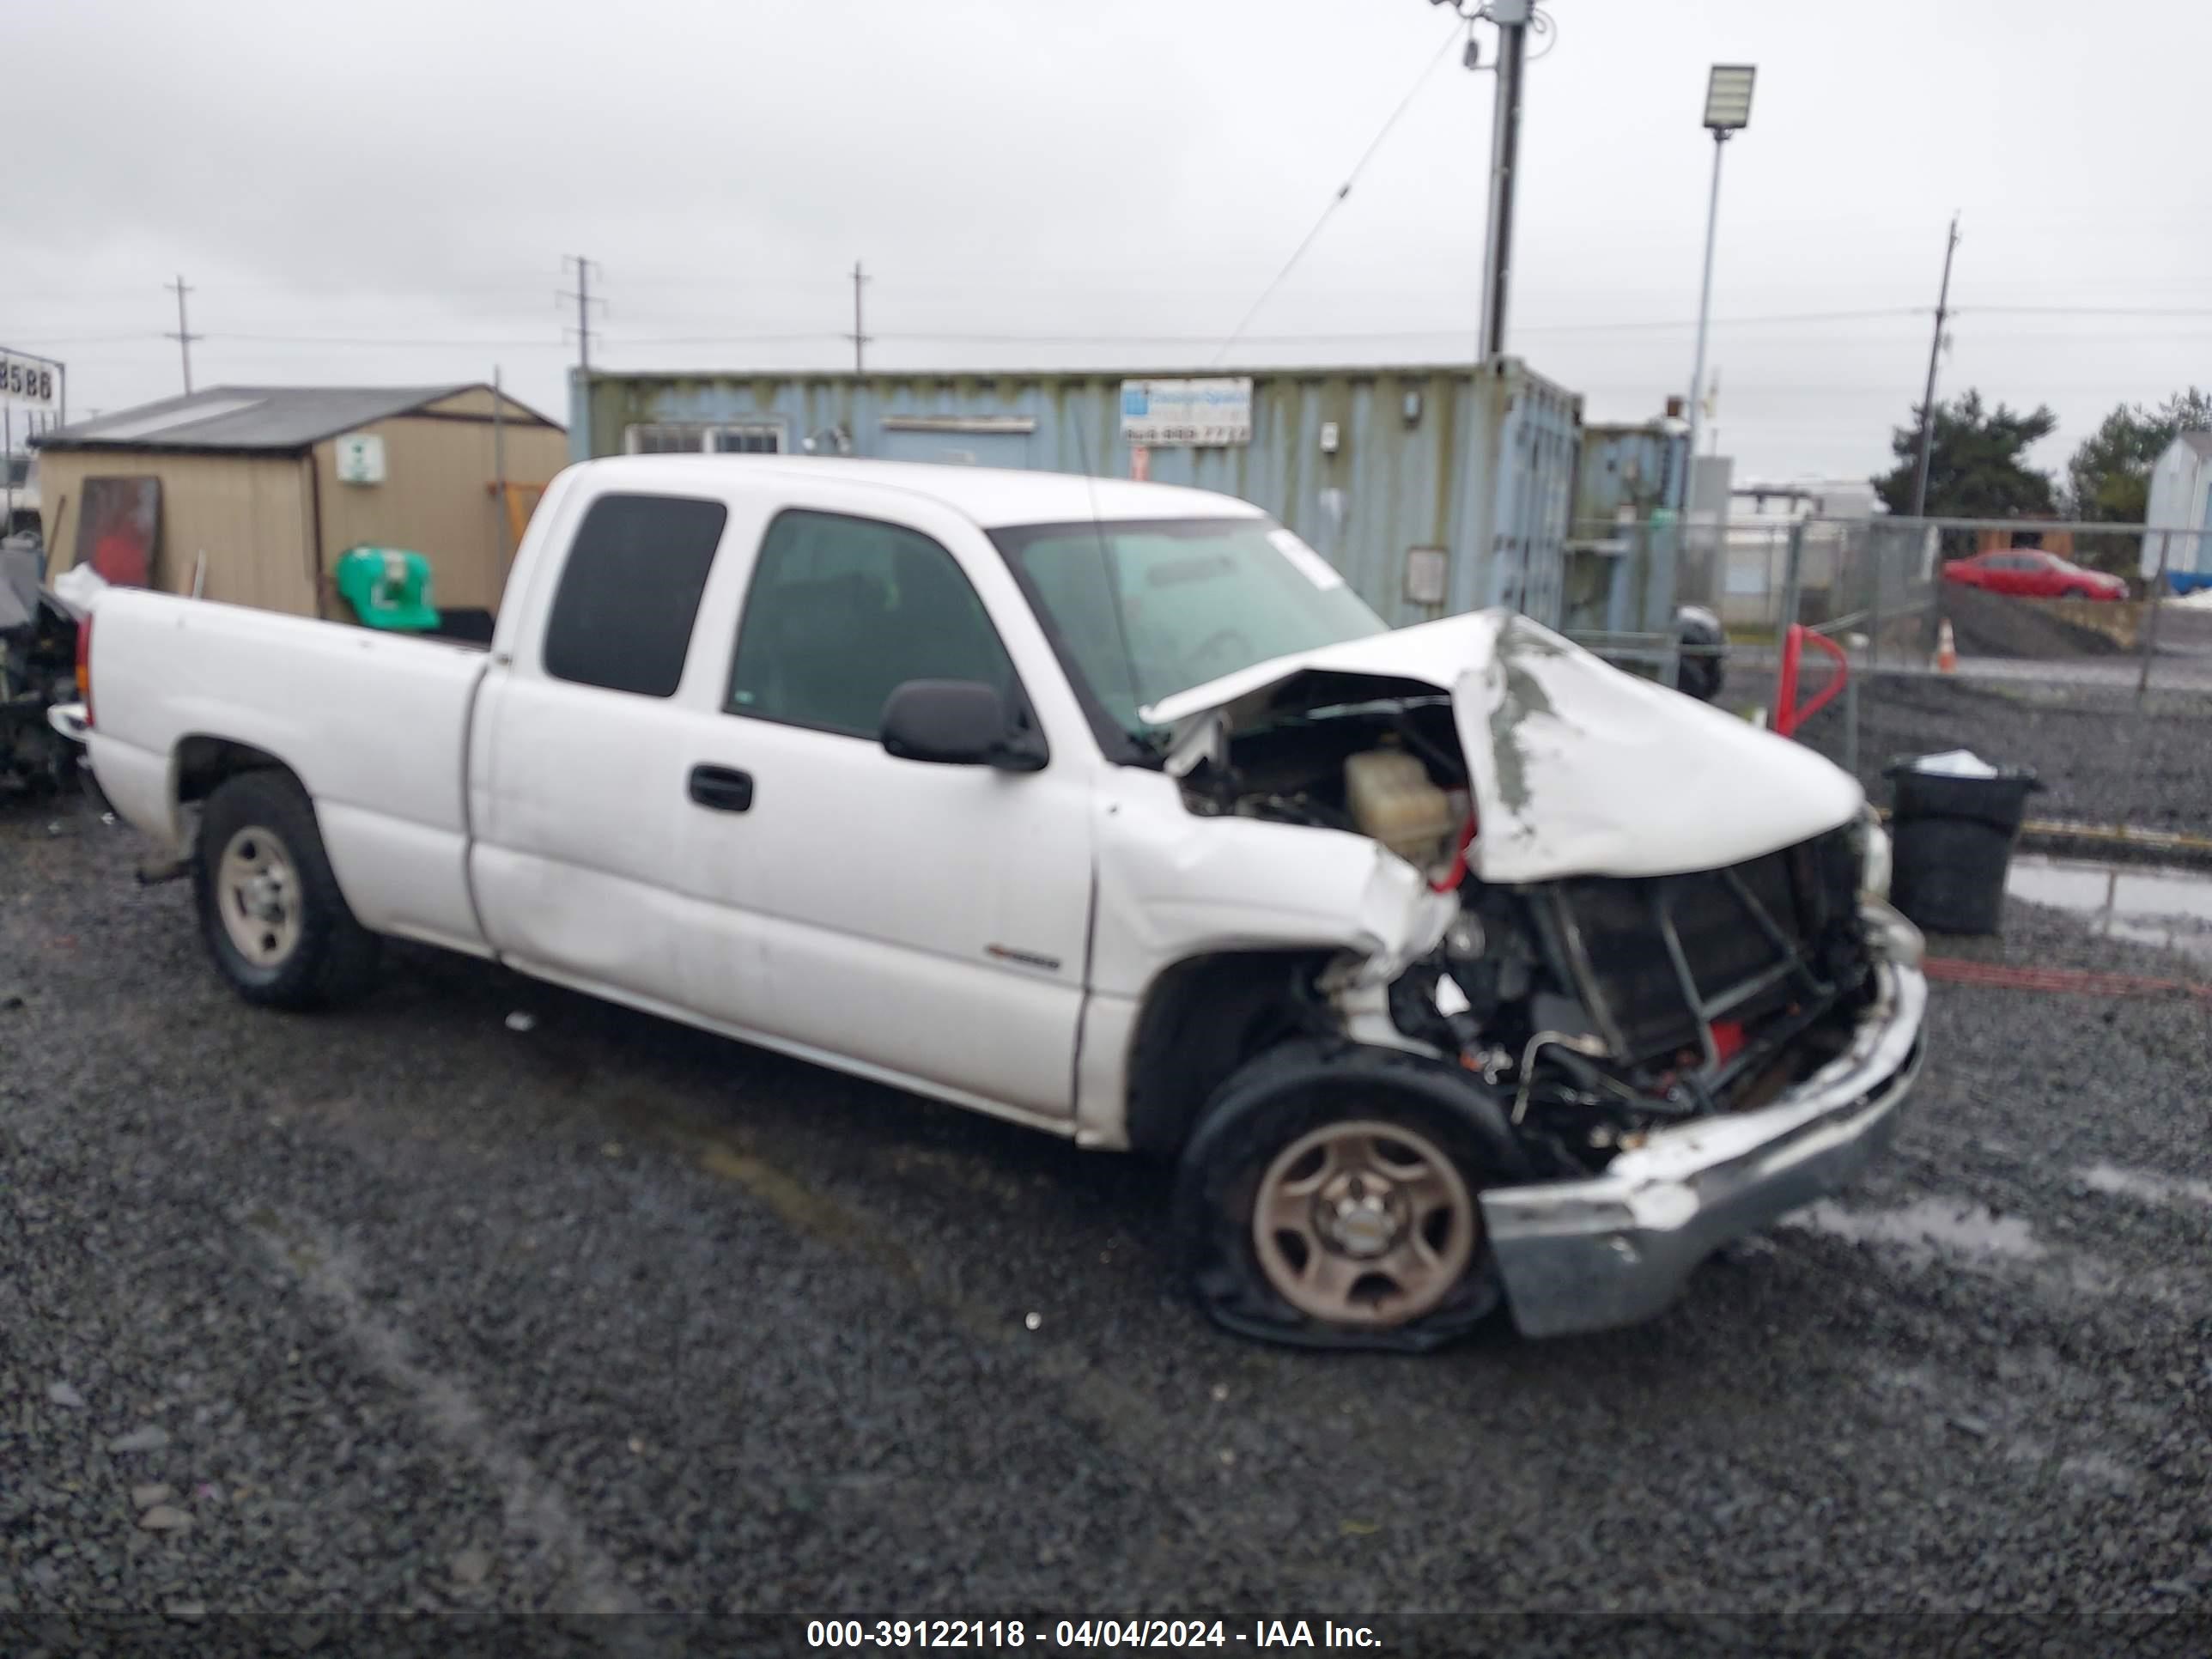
[{"x": 1946, "y": 649}]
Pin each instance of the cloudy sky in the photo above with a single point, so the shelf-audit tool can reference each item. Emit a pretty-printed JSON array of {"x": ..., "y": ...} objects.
[{"x": 384, "y": 193}]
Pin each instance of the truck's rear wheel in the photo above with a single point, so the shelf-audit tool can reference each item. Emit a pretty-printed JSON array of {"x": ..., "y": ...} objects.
[
  {"x": 1326, "y": 1202},
  {"x": 270, "y": 907}
]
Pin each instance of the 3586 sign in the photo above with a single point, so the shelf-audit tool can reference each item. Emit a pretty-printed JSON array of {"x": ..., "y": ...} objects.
[{"x": 26, "y": 380}]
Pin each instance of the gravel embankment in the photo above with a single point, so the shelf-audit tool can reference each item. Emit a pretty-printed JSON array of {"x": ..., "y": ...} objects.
[
  {"x": 1994, "y": 625},
  {"x": 409, "y": 1310},
  {"x": 2099, "y": 759}
]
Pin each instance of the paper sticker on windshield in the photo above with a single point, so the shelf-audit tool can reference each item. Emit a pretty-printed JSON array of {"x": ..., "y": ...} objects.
[{"x": 1315, "y": 569}]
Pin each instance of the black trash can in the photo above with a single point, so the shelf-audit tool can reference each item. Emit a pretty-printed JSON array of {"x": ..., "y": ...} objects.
[{"x": 1951, "y": 840}]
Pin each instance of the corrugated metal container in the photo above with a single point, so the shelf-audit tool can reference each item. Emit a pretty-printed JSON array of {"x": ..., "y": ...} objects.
[
  {"x": 1624, "y": 539},
  {"x": 1630, "y": 467},
  {"x": 1368, "y": 464}
]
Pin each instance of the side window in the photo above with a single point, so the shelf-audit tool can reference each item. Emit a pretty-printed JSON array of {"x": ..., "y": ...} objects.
[
  {"x": 752, "y": 439},
  {"x": 844, "y": 611},
  {"x": 630, "y": 592},
  {"x": 664, "y": 438}
]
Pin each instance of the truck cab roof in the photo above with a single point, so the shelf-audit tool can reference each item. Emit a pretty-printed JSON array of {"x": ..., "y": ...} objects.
[{"x": 988, "y": 496}]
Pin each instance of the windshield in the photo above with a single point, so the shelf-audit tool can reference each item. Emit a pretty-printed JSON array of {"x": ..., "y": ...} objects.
[{"x": 1143, "y": 609}]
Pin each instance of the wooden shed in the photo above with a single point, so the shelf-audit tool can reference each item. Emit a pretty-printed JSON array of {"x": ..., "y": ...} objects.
[{"x": 262, "y": 488}]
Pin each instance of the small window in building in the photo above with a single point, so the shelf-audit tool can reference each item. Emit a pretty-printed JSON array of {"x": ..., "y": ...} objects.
[
  {"x": 630, "y": 592},
  {"x": 665, "y": 438},
  {"x": 756, "y": 440},
  {"x": 843, "y": 611}
]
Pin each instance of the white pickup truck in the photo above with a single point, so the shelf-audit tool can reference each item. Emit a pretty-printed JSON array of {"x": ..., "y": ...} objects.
[{"x": 1455, "y": 968}]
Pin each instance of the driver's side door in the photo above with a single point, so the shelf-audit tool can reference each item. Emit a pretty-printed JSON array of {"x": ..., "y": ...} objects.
[{"x": 926, "y": 920}]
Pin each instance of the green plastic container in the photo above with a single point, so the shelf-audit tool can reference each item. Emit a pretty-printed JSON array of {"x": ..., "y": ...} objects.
[{"x": 388, "y": 587}]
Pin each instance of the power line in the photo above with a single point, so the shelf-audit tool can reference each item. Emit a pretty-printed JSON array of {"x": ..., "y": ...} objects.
[
  {"x": 1077, "y": 337},
  {"x": 1342, "y": 190},
  {"x": 2087, "y": 311},
  {"x": 379, "y": 340},
  {"x": 1867, "y": 315}
]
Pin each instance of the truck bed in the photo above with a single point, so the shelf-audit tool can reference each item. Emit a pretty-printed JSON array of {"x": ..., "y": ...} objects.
[{"x": 375, "y": 725}]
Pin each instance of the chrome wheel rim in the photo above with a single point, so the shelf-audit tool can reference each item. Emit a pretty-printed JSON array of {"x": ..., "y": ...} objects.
[
  {"x": 257, "y": 896},
  {"x": 1364, "y": 1223}
]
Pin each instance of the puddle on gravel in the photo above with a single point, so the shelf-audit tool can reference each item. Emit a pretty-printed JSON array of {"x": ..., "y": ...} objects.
[
  {"x": 2148, "y": 904},
  {"x": 1949, "y": 1226}
]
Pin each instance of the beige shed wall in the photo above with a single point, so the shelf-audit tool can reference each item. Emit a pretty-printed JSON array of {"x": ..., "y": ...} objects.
[
  {"x": 248, "y": 514},
  {"x": 436, "y": 500}
]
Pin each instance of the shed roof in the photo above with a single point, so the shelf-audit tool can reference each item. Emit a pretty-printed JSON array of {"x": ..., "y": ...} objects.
[{"x": 247, "y": 419}]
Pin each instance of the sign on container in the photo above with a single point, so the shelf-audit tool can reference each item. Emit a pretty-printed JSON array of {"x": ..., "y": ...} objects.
[{"x": 1200, "y": 413}]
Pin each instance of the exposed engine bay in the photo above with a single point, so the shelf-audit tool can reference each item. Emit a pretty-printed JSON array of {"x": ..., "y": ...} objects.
[{"x": 1604, "y": 1006}]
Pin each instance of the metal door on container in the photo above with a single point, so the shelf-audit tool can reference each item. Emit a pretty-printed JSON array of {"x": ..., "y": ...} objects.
[
  {"x": 928, "y": 919},
  {"x": 953, "y": 448}
]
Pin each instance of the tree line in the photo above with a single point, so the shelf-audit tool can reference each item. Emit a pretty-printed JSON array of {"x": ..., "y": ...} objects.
[{"x": 1977, "y": 466}]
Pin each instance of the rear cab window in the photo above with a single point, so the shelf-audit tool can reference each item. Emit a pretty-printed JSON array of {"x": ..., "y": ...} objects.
[{"x": 630, "y": 592}]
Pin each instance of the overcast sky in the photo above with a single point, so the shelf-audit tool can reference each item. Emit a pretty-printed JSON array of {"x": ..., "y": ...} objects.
[{"x": 382, "y": 193}]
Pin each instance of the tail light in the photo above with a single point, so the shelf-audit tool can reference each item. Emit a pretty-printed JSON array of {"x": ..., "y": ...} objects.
[{"x": 84, "y": 665}]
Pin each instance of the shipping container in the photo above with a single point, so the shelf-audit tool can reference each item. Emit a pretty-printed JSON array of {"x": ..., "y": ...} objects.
[{"x": 1434, "y": 489}]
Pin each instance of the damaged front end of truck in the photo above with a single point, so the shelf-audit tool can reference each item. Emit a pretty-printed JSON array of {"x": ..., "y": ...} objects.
[{"x": 1639, "y": 946}]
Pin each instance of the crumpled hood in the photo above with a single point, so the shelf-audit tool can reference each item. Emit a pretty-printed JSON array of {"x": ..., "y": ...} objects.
[{"x": 1577, "y": 769}]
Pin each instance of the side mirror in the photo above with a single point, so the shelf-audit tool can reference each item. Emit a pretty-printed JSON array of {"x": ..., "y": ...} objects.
[{"x": 957, "y": 723}]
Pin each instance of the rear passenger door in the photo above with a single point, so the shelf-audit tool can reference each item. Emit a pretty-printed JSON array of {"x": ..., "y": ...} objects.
[{"x": 580, "y": 783}]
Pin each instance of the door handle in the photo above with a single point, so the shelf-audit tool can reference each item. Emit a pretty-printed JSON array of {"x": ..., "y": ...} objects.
[{"x": 722, "y": 788}]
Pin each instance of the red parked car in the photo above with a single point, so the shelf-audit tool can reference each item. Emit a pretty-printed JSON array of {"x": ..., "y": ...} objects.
[{"x": 2030, "y": 572}]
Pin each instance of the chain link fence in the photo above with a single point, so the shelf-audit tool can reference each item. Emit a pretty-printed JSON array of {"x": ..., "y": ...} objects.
[{"x": 2082, "y": 650}]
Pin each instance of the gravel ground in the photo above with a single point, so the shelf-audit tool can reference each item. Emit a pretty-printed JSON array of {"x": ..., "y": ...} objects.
[
  {"x": 2100, "y": 762},
  {"x": 409, "y": 1310}
]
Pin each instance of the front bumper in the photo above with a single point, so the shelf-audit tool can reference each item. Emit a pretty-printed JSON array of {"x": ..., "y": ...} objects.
[{"x": 1587, "y": 1256}]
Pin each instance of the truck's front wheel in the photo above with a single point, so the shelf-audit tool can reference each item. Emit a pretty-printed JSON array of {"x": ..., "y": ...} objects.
[
  {"x": 270, "y": 907},
  {"x": 1330, "y": 1201}
]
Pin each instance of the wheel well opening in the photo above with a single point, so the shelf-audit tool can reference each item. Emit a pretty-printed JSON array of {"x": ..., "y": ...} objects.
[
  {"x": 204, "y": 762},
  {"x": 1202, "y": 1018}
]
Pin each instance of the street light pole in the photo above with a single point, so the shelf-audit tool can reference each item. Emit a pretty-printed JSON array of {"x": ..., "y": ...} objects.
[
  {"x": 1728, "y": 111},
  {"x": 1704, "y": 310}
]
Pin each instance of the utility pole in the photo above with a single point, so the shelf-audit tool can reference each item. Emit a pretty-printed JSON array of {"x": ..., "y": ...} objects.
[
  {"x": 582, "y": 296},
  {"x": 1511, "y": 17},
  {"x": 184, "y": 336},
  {"x": 499, "y": 468},
  {"x": 1928, "y": 397},
  {"x": 859, "y": 339}
]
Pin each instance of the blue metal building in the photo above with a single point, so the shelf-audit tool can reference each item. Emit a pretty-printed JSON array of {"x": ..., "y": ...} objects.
[{"x": 1434, "y": 489}]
